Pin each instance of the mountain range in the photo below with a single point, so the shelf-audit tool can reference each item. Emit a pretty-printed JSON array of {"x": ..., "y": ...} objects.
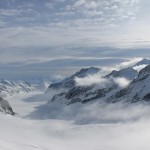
[
  {"x": 130, "y": 84},
  {"x": 10, "y": 88},
  {"x": 137, "y": 89}
]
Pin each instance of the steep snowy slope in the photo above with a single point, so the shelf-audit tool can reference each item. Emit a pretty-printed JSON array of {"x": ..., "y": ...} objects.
[
  {"x": 95, "y": 127},
  {"x": 69, "y": 82},
  {"x": 111, "y": 91},
  {"x": 128, "y": 73},
  {"x": 96, "y": 91},
  {"x": 5, "y": 107},
  {"x": 138, "y": 90},
  {"x": 10, "y": 88},
  {"x": 144, "y": 61}
]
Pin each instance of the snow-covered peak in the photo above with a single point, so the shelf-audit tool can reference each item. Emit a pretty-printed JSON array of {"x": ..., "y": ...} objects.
[
  {"x": 144, "y": 61},
  {"x": 70, "y": 81},
  {"x": 86, "y": 71},
  {"x": 137, "y": 90},
  {"x": 9, "y": 88},
  {"x": 128, "y": 73},
  {"x": 144, "y": 73}
]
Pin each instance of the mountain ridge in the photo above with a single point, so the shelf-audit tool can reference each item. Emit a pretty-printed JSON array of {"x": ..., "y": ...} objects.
[{"x": 112, "y": 92}]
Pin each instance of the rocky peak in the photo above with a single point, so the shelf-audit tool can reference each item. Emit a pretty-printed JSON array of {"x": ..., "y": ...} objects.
[
  {"x": 70, "y": 83},
  {"x": 86, "y": 71},
  {"x": 144, "y": 73}
]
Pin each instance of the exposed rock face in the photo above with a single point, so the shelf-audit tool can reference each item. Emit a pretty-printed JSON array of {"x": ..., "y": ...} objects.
[
  {"x": 143, "y": 74},
  {"x": 69, "y": 83},
  {"x": 11, "y": 88},
  {"x": 137, "y": 90},
  {"x": 5, "y": 107}
]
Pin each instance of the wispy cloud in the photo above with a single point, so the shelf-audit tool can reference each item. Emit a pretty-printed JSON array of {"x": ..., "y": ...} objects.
[
  {"x": 46, "y": 22},
  {"x": 42, "y": 30}
]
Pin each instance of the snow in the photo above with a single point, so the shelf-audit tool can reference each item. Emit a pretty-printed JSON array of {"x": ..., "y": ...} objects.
[
  {"x": 19, "y": 104},
  {"x": 40, "y": 125},
  {"x": 50, "y": 134}
]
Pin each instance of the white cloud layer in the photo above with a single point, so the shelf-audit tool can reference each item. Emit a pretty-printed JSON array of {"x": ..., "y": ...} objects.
[
  {"x": 140, "y": 67},
  {"x": 105, "y": 22},
  {"x": 92, "y": 80},
  {"x": 129, "y": 63},
  {"x": 87, "y": 127},
  {"x": 121, "y": 82},
  {"x": 40, "y": 31},
  {"x": 98, "y": 80}
]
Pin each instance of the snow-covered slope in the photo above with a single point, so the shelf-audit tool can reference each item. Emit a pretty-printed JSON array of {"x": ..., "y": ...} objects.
[
  {"x": 95, "y": 127},
  {"x": 137, "y": 91},
  {"x": 92, "y": 126},
  {"x": 9, "y": 88},
  {"x": 144, "y": 61},
  {"x": 69, "y": 82},
  {"x": 5, "y": 107},
  {"x": 85, "y": 94},
  {"x": 128, "y": 73}
]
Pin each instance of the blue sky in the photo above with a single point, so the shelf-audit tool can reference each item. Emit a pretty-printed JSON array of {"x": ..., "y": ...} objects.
[{"x": 42, "y": 31}]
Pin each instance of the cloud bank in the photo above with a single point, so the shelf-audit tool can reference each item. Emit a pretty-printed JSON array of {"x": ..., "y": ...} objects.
[
  {"x": 102, "y": 82},
  {"x": 92, "y": 80}
]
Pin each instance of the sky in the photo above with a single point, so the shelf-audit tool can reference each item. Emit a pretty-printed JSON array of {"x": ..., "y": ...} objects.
[{"x": 51, "y": 34}]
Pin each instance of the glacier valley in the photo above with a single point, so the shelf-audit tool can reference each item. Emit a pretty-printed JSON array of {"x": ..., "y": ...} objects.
[{"x": 94, "y": 109}]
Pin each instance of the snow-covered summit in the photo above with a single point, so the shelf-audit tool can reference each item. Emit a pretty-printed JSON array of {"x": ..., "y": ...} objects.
[
  {"x": 144, "y": 61},
  {"x": 70, "y": 81},
  {"x": 128, "y": 73},
  {"x": 137, "y": 90},
  {"x": 86, "y": 71},
  {"x": 144, "y": 73},
  {"x": 14, "y": 87}
]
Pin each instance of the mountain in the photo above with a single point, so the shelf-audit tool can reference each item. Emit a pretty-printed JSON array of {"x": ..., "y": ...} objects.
[
  {"x": 5, "y": 107},
  {"x": 69, "y": 82},
  {"x": 81, "y": 94},
  {"x": 136, "y": 91},
  {"x": 128, "y": 73},
  {"x": 10, "y": 88},
  {"x": 144, "y": 61},
  {"x": 86, "y": 94}
]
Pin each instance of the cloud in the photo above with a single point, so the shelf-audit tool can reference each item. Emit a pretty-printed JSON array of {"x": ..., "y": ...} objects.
[
  {"x": 88, "y": 27},
  {"x": 92, "y": 80},
  {"x": 97, "y": 79},
  {"x": 96, "y": 126},
  {"x": 121, "y": 82},
  {"x": 104, "y": 12},
  {"x": 111, "y": 10},
  {"x": 97, "y": 112},
  {"x": 140, "y": 67},
  {"x": 129, "y": 63},
  {"x": 10, "y": 12},
  {"x": 104, "y": 22},
  {"x": 101, "y": 82}
]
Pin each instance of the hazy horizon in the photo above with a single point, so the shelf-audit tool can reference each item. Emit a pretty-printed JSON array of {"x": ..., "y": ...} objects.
[{"x": 43, "y": 37}]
